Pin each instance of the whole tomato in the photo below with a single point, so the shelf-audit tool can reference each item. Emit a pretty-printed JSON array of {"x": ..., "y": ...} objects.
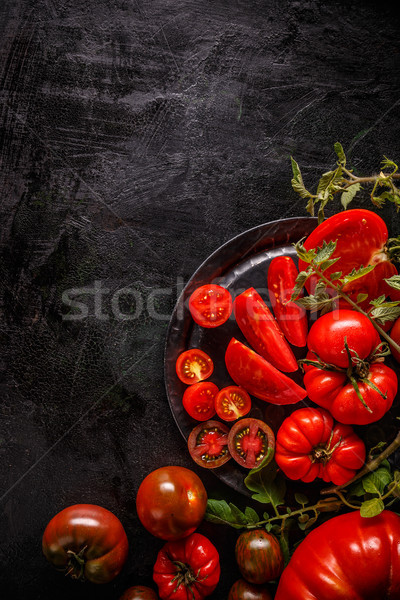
[
  {"x": 353, "y": 385},
  {"x": 309, "y": 444},
  {"x": 187, "y": 569},
  {"x": 139, "y": 592},
  {"x": 259, "y": 556},
  {"x": 347, "y": 558},
  {"x": 243, "y": 590},
  {"x": 87, "y": 542},
  {"x": 171, "y": 502}
]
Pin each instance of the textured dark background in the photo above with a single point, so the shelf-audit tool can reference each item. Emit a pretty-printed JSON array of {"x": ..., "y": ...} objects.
[{"x": 137, "y": 137}]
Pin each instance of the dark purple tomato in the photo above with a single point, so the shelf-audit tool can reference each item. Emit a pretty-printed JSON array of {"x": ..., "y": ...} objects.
[
  {"x": 243, "y": 590},
  {"x": 259, "y": 556},
  {"x": 139, "y": 592}
]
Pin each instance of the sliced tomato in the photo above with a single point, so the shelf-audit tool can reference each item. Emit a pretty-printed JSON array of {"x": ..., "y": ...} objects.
[
  {"x": 194, "y": 365},
  {"x": 199, "y": 400},
  {"x": 208, "y": 444},
  {"x": 282, "y": 275},
  {"x": 249, "y": 442},
  {"x": 263, "y": 333},
  {"x": 258, "y": 377},
  {"x": 232, "y": 402},
  {"x": 210, "y": 305}
]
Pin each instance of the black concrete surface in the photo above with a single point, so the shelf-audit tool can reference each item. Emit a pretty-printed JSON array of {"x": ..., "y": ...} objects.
[{"x": 136, "y": 138}]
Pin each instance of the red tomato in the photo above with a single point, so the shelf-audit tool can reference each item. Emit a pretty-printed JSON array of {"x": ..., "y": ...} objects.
[
  {"x": 263, "y": 333},
  {"x": 232, "y": 403},
  {"x": 171, "y": 502},
  {"x": 346, "y": 558},
  {"x": 208, "y": 444},
  {"x": 309, "y": 444},
  {"x": 258, "y": 377},
  {"x": 282, "y": 274},
  {"x": 249, "y": 440},
  {"x": 331, "y": 385},
  {"x": 87, "y": 542},
  {"x": 193, "y": 366},
  {"x": 187, "y": 569},
  {"x": 139, "y": 592},
  {"x": 210, "y": 305},
  {"x": 361, "y": 238},
  {"x": 243, "y": 590},
  {"x": 199, "y": 400},
  {"x": 395, "y": 335},
  {"x": 259, "y": 556}
]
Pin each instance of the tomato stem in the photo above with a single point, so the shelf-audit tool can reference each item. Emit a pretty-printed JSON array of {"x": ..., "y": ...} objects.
[{"x": 76, "y": 564}]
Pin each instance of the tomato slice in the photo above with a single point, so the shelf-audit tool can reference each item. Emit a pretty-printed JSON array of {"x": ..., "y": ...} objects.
[
  {"x": 263, "y": 333},
  {"x": 194, "y": 365},
  {"x": 210, "y": 305},
  {"x": 249, "y": 441},
  {"x": 199, "y": 400},
  {"x": 208, "y": 444},
  {"x": 282, "y": 274},
  {"x": 258, "y": 377},
  {"x": 232, "y": 402}
]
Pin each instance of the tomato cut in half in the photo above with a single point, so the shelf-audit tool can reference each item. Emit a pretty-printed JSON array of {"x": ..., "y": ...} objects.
[
  {"x": 258, "y": 377},
  {"x": 282, "y": 274},
  {"x": 263, "y": 333},
  {"x": 210, "y": 305},
  {"x": 208, "y": 444},
  {"x": 199, "y": 400},
  {"x": 193, "y": 366},
  {"x": 250, "y": 441},
  {"x": 232, "y": 403}
]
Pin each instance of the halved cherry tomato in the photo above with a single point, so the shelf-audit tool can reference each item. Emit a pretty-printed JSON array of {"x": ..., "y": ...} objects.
[
  {"x": 208, "y": 444},
  {"x": 282, "y": 274},
  {"x": 263, "y": 333},
  {"x": 194, "y": 365},
  {"x": 249, "y": 441},
  {"x": 232, "y": 402},
  {"x": 210, "y": 305},
  {"x": 199, "y": 400},
  {"x": 258, "y": 377}
]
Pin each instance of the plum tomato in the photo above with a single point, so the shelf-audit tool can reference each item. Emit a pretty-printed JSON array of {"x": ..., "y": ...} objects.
[
  {"x": 395, "y": 335},
  {"x": 193, "y": 366},
  {"x": 259, "y": 556},
  {"x": 243, "y": 590},
  {"x": 139, "y": 592},
  {"x": 258, "y": 377},
  {"x": 263, "y": 333},
  {"x": 282, "y": 274},
  {"x": 250, "y": 441},
  {"x": 199, "y": 400},
  {"x": 86, "y": 541},
  {"x": 210, "y": 305},
  {"x": 232, "y": 403},
  {"x": 171, "y": 502},
  {"x": 208, "y": 444}
]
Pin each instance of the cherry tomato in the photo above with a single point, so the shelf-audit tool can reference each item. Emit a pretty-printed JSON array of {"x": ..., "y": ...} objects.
[
  {"x": 208, "y": 444},
  {"x": 309, "y": 444},
  {"x": 232, "y": 402},
  {"x": 263, "y": 333},
  {"x": 282, "y": 274},
  {"x": 171, "y": 502},
  {"x": 361, "y": 239},
  {"x": 199, "y": 400},
  {"x": 249, "y": 441},
  {"x": 87, "y": 542},
  {"x": 259, "y": 556},
  {"x": 395, "y": 335},
  {"x": 243, "y": 590},
  {"x": 347, "y": 557},
  {"x": 258, "y": 377},
  {"x": 187, "y": 569},
  {"x": 210, "y": 305},
  {"x": 193, "y": 366},
  {"x": 139, "y": 592}
]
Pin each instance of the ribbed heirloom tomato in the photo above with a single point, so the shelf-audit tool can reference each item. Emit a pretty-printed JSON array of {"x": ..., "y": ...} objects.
[{"x": 171, "y": 502}]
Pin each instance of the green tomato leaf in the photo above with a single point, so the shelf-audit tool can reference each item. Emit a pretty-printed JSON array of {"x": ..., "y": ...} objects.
[
  {"x": 268, "y": 487},
  {"x": 361, "y": 298},
  {"x": 328, "y": 263},
  {"x": 301, "y": 499},
  {"x": 222, "y": 513},
  {"x": 388, "y": 164},
  {"x": 394, "y": 282},
  {"x": 340, "y": 153},
  {"x": 386, "y": 312},
  {"x": 375, "y": 482},
  {"x": 349, "y": 194},
  {"x": 305, "y": 255},
  {"x": 299, "y": 284},
  {"x": 251, "y": 515},
  {"x": 325, "y": 252},
  {"x": 372, "y": 508},
  {"x": 297, "y": 181},
  {"x": 357, "y": 273}
]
